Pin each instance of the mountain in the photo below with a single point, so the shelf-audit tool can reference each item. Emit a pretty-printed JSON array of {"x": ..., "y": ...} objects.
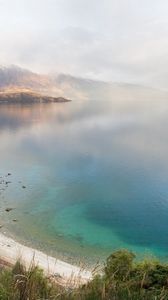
[
  {"x": 80, "y": 88},
  {"x": 74, "y": 88},
  {"x": 15, "y": 76}
]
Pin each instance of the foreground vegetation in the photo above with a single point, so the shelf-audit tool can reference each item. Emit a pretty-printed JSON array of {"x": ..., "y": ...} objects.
[{"x": 122, "y": 279}]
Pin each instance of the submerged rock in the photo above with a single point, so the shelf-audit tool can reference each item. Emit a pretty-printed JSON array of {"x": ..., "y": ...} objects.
[{"x": 8, "y": 209}]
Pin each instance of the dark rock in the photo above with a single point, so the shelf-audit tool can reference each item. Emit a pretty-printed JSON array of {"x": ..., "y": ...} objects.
[{"x": 8, "y": 209}]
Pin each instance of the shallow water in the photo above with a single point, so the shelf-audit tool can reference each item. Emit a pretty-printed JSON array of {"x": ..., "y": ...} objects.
[{"x": 96, "y": 177}]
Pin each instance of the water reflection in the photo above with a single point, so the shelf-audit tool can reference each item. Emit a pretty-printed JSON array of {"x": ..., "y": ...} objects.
[{"x": 96, "y": 174}]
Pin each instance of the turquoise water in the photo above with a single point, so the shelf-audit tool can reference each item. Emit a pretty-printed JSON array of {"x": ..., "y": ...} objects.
[{"x": 96, "y": 177}]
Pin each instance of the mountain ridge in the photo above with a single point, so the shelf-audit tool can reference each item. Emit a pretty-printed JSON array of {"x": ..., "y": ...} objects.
[{"x": 76, "y": 88}]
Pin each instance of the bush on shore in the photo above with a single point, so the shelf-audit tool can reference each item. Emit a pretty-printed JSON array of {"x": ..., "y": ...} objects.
[{"x": 122, "y": 279}]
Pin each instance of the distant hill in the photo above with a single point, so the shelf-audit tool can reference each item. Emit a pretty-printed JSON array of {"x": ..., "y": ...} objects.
[
  {"x": 67, "y": 86},
  {"x": 27, "y": 96}
]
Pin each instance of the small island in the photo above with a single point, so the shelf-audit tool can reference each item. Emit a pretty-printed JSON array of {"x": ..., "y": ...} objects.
[{"x": 27, "y": 96}]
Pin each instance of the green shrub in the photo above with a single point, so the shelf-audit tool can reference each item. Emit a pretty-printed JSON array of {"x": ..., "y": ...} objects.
[
  {"x": 122, "y": 279},
  {"x": 119, "y": 265}
]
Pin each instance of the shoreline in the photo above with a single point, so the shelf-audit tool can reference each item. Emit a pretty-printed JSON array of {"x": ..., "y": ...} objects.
[{"x": 62, "y": 272}]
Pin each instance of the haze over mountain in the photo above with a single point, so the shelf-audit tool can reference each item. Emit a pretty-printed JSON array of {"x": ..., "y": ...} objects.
[
  {"x": 62, "y": 85},
  {"x": 109, "y": 40}
]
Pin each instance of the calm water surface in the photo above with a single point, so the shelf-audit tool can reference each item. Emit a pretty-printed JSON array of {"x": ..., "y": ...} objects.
[{"x": 96, "y": 177}]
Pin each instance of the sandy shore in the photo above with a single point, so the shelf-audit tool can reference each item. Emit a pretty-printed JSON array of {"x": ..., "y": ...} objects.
[{"x": 62, "y": 272}]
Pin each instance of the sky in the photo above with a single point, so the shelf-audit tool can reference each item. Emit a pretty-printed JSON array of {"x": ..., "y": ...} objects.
[{"x": 113, "y": 40}]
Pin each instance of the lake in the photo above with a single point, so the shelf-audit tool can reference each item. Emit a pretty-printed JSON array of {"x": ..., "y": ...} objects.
[{"x": 86, "y": 177}]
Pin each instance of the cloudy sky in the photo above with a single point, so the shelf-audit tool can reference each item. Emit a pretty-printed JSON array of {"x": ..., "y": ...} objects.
[{"x": 115, "y": 40}]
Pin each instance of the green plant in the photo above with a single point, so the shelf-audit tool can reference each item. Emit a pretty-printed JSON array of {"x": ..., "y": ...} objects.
[
  {"x": 119, "y": 265},
  {"x": 121, "y": 279}
]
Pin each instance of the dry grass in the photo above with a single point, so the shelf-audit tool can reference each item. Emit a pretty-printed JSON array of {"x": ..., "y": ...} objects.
[{"x": 121, "y": 279}]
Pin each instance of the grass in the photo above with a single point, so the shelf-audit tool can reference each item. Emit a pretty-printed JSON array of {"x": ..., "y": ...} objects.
[{"x": 122, "y": 279}]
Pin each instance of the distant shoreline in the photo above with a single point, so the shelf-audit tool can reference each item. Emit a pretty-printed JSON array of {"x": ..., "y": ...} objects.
[
  {"x": 28, "y": 96},
  {"x": 11, "y": 251}
]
